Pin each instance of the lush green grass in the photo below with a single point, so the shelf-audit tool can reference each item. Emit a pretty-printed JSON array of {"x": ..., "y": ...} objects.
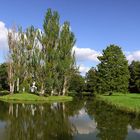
[
  {"x": 32, "y": 97},
  {"x": 126, "y": 102}
]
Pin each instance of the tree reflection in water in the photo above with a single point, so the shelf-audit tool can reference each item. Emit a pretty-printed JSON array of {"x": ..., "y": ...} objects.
[
  {"x": 38, "y": 122},
  {"x": 111, "y": 123},
  {"x": 78, "y": 120}
]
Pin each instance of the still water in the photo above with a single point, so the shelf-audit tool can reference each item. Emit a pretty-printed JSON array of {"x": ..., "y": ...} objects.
[{"x": 76, "y": 120}]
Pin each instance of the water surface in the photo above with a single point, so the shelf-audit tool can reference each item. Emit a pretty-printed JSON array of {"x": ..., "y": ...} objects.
[{"x": 76, "y": 120}]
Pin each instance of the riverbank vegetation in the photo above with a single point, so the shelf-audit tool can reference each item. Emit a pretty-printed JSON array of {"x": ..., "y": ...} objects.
[
  {"x": 125, "y": 102},
  {"x": 110, "y": 76},
  {"x": 33, "y": 97}
]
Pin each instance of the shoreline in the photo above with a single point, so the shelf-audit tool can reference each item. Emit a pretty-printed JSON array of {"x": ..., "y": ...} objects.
[
  {"x": 123, "y": 102},
  {"x": 27, "y": 97}
]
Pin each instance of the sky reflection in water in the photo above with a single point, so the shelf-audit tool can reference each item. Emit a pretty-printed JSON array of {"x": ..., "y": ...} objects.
[{"x": 76, "y": 120}]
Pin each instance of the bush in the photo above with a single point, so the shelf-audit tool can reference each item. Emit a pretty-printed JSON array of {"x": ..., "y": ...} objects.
[
  {"x": 110, "y": 93},
  {"x": 88, "y": 94},
  {"x": 72, "y": 93},
  {"x": 4, "y": 92}
]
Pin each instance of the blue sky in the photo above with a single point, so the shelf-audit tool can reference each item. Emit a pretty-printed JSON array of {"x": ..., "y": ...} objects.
[{"x": 96, "y": 24}]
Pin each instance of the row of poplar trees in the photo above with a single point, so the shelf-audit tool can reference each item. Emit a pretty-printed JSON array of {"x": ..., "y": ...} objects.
[{"x": 44, "y": 57}]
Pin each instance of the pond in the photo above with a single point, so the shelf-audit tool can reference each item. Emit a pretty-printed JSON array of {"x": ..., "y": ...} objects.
[{"x": 77, "y": 120}]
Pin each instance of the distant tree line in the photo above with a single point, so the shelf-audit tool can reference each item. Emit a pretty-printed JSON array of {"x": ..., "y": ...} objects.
[{"x": 112, "y": 74}]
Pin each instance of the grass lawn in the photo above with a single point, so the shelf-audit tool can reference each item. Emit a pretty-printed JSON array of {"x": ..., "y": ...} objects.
[
  {"x": 126, "y": 102},
  {"x": 32, "y": 97}
]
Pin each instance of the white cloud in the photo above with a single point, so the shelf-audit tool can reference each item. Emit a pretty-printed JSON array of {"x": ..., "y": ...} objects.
[
  {"x": 86, "y": 54},
  {"x": 82, "y": 123},
  {"x": 132, "y": 130},
  {"x": 83, "y": 69},
  {"x": 133, "y": 56},
  {"x": 3, "y": 36},
  {"x": 3, "y": 40}
]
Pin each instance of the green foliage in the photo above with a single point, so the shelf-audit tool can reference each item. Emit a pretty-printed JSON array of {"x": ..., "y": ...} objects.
[
  {"x": 44, "y": 57},
  {"x": 113, "y": 71},
  {"x": 91, "y": 80},
  {"x": 49, "y": 41},
  {"x": 25, "y": 85},
  {"x": 77, "y": 83},
  {"x": 57, "y": 42},
  {"x": 111, "y": 123},
  {"x": 3, "y": 77},
  {"x": 66, "y": 61},
  {"x": 134, "y": 84},
  {"x": 4, "y": 92}
]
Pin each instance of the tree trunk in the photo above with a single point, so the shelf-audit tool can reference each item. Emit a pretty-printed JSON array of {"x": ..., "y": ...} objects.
[
  {"x": 59, "y": 93},
  {"x": 17, "y": 84},
  {"x": 42, "y": 90},
  {"x": 52, "y": 92},
  {"x": 10, "y": 74},
  {"x": 12, "y": 88},
  {"x": 64, "y": 87}
]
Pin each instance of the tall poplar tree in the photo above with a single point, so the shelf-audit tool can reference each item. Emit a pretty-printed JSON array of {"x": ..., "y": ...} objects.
[
  {"x": 66, "y": 57},
  {"x": 12, "y": 58},
  {"x": 30, "y": 44},
  {"x": 50, "y": 43},
  {"x": 57, "y": 43}
]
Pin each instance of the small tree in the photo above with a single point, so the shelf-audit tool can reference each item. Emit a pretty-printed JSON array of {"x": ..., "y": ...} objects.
[
  {"x": 134, "y": 83},
  {"x": 3, "y": 77},
  {"x": 77, "y": 83},
  {"x": 91, "y": 80}
]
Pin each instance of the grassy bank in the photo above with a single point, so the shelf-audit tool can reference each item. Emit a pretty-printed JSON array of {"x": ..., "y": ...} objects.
[
  {"x": 125, "y": 102},
  {"x": 32, "y": 97}
]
